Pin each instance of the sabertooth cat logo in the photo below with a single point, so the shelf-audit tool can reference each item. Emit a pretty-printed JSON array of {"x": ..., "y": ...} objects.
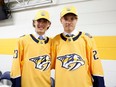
[
  {"x": 71, "y": 61},
  {"x": 41, "y": 62}
]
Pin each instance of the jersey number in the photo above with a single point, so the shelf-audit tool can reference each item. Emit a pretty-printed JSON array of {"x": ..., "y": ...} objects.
[
  {"x": 15, "y": 54},
  {"x": 95, "y": 55}
]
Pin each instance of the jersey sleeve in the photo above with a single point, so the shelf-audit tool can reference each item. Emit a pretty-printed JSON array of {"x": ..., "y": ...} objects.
[
  {"x": 53, "y": 55},
  {"x": 94, "y": 62},
  {"x": 17, "y": 65},
  {"x": 54, "y": 51}
]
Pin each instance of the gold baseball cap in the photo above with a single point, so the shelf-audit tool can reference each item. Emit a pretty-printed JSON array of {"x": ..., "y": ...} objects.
[
  {"x": 68, "y": 9},
  {"x": 42, "y": 14}
]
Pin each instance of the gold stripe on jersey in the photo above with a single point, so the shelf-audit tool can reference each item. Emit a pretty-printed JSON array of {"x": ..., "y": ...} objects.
[
  {"x": 39, "y": 41},
  {"x": 70, "y": 38}
]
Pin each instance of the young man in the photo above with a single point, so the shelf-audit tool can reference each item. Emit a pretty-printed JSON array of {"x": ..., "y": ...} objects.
[
  {"x": 32, "y": 59},
  {"x": 75, "y": 56}
]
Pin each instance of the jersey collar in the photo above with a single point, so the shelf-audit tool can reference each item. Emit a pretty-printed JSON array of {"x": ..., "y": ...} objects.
[
  {"x": 37, "y": 35},
  {"x": 37, "y": 41},
  {"x": 73, "y": 38}
]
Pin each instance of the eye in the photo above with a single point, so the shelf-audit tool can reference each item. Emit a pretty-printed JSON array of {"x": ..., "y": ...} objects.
[
  {"x": 45, "y": 21},
  {"x": 66, "y": 18},
  {"x": 38, "y": 20},
  {"x": 72, "y": 18}
]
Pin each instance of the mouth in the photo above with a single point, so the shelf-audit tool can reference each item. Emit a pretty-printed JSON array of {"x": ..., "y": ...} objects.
[
  {"x": 68, "y": 25},
  {"x": 41, "y": 28}
]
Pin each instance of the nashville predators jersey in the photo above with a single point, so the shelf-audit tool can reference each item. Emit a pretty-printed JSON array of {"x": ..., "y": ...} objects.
[
  {"x": 31, "y": 62},
  {"x": 76, "y": 61}
]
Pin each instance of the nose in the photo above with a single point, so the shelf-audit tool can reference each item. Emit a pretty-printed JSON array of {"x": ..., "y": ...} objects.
[{"x": 68, "y": 21}]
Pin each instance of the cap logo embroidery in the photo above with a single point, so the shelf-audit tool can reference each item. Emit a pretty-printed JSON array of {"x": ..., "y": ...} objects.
[
  {"x": 42, "y": 14},
  {"x": 68, "y": 9}
]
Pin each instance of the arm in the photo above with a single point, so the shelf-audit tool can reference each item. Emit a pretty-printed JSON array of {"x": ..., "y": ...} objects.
[
  {"x": 16, "y": 65},
  {"x": 95, "y": 64},
  {"x": 53, "y": 54}
]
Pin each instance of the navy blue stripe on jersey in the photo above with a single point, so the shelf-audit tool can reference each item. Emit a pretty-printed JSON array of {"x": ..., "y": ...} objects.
[
  {"x": 64, "y": 38},
  {"x": 98, "y": 81},
  {"x": 36, "y": 40},
  {"x": 46, "y": 41},
  {"x": 16, "y": 82},
  {"x": 74, "y": 38}
]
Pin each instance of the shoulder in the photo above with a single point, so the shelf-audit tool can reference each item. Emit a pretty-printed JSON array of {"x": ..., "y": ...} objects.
[
  {"x": 23, "y": 37},
  {"x": 88, "y": 35},
  {"x": 49, "y": 37},
  {"x": 56, "y": 37}
]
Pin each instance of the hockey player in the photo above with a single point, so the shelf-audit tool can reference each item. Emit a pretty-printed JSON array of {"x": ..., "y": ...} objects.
[
  {"x": 32, "y": 59},
  {"x": 75, "y": 56}
]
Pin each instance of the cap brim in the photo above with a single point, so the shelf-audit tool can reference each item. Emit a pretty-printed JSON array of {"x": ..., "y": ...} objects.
[
  {"x": 69, "y": 13},
  {"x": 42, "y": 18}
]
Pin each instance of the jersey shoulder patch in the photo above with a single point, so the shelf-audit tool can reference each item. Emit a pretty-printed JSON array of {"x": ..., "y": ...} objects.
[
  {"x": 22, "y": 36},
  {"x": 87, "y": 34}
]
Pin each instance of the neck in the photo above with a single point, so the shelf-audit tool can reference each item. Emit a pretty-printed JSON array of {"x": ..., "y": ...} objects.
[
  {"x": 68, "y": 31},
  {"x": 40, "y": 33}
]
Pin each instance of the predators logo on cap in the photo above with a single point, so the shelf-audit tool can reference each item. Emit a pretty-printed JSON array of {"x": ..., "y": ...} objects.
[
  {"x": 42, "y": 14},
  {"x": 68, "y": 9}
]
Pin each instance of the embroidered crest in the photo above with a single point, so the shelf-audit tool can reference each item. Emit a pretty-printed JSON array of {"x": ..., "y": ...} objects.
[
  {"x": 41, "y": 62},
  {"x": 87, "y": 34},
  {"x": 71, "y": 61}
]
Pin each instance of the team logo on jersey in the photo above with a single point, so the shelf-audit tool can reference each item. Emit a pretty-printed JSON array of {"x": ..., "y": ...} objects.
[
  {"x": 41, "y": 62},
  {"x": 71, "y": 61}
]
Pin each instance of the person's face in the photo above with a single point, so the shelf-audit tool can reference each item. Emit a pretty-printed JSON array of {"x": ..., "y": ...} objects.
[
  {"x": 69, "y": 22},
  {"x": 41, "y": 26}
]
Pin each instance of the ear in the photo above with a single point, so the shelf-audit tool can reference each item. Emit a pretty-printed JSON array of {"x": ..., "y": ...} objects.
[
  {"x": 61, "y": 19},
  {"x": 49, "y": 25},
  {"x": 33, "y": 23}
]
